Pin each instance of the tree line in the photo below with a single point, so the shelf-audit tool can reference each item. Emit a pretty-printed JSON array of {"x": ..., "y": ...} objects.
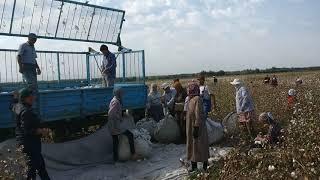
[{"x": 230, "y": 73}]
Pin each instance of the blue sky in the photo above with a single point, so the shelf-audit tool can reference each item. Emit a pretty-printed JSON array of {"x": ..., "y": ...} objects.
[{"x": 183, "y": 36}]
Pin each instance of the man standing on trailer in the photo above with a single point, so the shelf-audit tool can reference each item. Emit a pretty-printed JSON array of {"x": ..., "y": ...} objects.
[
  {"x": 28, "y": 65},
  {"x": 109, "y": 66}
]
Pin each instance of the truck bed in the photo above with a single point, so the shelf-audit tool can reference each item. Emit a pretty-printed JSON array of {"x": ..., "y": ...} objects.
[{"x": 70, "y": 103}]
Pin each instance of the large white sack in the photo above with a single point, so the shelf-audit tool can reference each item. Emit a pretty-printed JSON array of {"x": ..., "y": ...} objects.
[
  {"x": 142, "y": 145},
  {"x": 124, "y": 148},
  {"x": 231, "y": 124},
  {"x": 127, "y": 122},
  {"x": 167, "y": 130},
  {"x": 148, "y": 124},
  {"x": 142, "y": 142},
  {"x": 215, "y": 131}
]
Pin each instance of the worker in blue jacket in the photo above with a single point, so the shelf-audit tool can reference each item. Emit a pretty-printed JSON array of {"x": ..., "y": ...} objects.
[{"x": 28, "y": 134}]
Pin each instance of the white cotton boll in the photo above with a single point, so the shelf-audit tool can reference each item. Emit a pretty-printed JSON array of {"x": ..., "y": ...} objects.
[
  {"x": 271, "y": 168},
  {"x": 294, "y": 175}
]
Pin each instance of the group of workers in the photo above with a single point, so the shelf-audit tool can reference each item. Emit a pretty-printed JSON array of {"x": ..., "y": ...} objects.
[
  {"x": 198, "y": 101},
  {"x": 247, "y": 116},
  {"x": 189, "y": 105},
  {"x": 272, "y": 81},
  {"x": 28, "y": 128}
]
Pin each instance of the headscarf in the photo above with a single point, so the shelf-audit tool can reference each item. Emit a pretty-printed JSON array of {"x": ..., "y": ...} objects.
[
  {"x": 153, "y": 86},
  {"x": 117, "y": 92},
  {"x": 178, "y": 87},
  {"x": 24, "y": 93},
  {"x": 193, "y": 89},
  {"x": 268, "y": 117}
]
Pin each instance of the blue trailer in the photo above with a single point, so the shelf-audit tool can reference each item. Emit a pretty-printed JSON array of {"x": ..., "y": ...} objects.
[
  {"x": 67, "y": 93},
  {"x": 70, "y": 83}
]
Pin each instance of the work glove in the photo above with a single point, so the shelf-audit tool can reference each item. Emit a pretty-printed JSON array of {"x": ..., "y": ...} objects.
[{"x": 195, "y": 132}]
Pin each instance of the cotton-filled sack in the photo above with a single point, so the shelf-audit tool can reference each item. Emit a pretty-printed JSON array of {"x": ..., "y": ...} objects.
[{"x": 167, "y": 130}]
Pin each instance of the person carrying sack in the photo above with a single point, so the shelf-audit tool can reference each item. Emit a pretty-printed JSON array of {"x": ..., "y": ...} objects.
[{"x": 114, "y": 121}]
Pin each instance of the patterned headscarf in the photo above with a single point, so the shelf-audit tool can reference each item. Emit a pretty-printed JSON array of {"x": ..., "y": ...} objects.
[{"x": 193, "y": 89}]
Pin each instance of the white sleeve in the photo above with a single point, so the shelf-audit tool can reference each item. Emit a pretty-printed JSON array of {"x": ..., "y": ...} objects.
[{"x": 186, "y": 104}]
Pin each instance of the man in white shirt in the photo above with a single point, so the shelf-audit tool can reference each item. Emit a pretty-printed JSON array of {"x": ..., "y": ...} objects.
[{"x": 208, "y": 97}]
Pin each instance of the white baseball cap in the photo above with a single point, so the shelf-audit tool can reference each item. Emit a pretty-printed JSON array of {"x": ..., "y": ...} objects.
[
  {"x": 165, "y": 85},
  {"x": 292, "y": 92},
  {"x": 236, "y": 82}
]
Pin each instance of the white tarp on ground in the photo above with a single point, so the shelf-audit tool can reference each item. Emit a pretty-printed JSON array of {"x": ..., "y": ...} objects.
[
  {"x": 93, "y": 149},
  {"x": 162, "y": 164},
  {"x": 91, "y": 158}
]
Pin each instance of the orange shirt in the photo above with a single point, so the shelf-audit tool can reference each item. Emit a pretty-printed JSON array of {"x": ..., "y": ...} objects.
[{"x": 291, "y": 101}]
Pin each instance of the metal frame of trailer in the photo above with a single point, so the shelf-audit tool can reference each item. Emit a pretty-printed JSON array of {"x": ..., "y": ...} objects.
[
  {"x": 76, "y": 96},
  {"x": 70, "y": 83}
]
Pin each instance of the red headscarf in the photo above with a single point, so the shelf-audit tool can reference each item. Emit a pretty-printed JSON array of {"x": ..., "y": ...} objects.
[{"x": 193, "y": 89}]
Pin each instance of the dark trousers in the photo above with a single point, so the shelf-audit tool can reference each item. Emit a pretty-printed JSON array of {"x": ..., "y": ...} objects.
[
  {"x": 115, "y": 139},
  {"x": 194, "y": 165},
  {"x": 35, "y": 161},
  {"x": 180, "y": 116},
  {"x": 30, "y": 76},
  {"x": 156, "y": 112}
]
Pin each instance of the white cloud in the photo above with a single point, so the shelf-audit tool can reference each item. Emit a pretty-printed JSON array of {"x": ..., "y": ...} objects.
[{"x": 189, "y": 36}]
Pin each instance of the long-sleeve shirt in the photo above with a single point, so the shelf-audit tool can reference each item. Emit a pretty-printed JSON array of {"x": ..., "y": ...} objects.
[
  {"x": 115, "y": 116},
  {"x": 244, "y": 101},
  {"x": 205, "y": 92},
  {"x": 27, "y": 123},
  {"x": 109, "y": 65},
  {"x": 154, "y": 99},
  {"x": 169, "y": 98}
]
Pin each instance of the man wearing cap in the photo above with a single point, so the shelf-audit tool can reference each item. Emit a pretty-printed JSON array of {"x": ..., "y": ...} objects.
[
  {"x": 28, "y": 65},
  {"x": 168, "y": 98},
  {"x": 109, "y": 66},
  {"x": 28, "y": 134},
  {"x": 244, "y": 105}
]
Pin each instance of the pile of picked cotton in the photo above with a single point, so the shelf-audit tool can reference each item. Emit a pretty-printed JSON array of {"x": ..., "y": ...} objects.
[
  {"x": 142, "y": 145},
  {"x": 231, "y": 124},
  {"x": 215, "y": 131},
  {"x": 167, "y": 131},
  {"x": 148, "y": 124}
]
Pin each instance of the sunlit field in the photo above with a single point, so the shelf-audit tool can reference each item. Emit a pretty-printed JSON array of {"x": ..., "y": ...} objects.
[{"x": 298, "y": 156}]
